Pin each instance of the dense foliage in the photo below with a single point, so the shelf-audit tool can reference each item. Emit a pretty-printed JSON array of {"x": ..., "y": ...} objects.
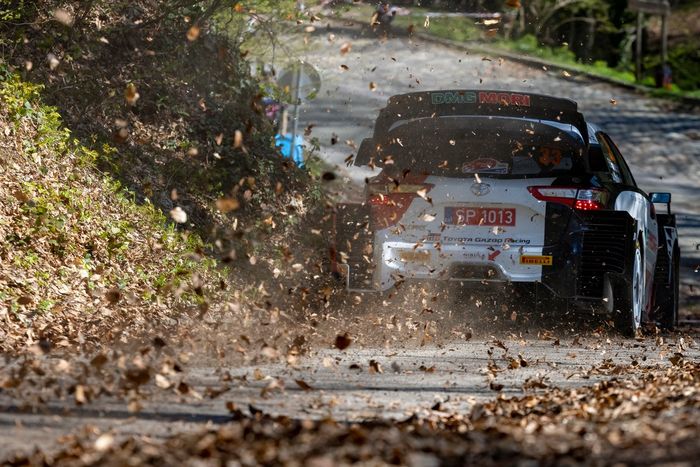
[{"x": 594, "y": 30}]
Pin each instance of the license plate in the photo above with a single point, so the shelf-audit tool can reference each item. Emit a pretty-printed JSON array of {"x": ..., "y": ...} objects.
[
  {"x": 480, "y": 216},
  {"x": 420, "y": 256}
]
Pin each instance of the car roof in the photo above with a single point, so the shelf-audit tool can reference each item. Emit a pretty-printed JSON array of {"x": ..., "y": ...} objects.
[{"x": 481, "y": 102}]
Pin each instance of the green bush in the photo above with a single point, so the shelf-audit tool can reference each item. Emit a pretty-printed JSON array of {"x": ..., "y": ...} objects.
[{"x": 684, "y": 60}]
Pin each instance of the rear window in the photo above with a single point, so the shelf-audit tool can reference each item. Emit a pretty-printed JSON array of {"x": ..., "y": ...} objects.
[{"x": 490, "y": 146}]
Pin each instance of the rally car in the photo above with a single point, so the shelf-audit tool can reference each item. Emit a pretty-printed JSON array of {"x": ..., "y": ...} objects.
[{"x": 492, "y": 186}]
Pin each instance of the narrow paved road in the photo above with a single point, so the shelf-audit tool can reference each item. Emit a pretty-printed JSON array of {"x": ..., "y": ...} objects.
[
  {"x": 662, "y": 145},
  {"x": 356, "y": 384}
]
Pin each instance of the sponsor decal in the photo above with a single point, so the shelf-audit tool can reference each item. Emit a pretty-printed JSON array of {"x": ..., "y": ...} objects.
[
  {"x": 471, "y": 97},
  {"x": 536, "y": 260},
  {"x": 504, "y": 98},
  {"x": 433, "y": 237},
  {"x": 492, "y": 256},
  {"x": 485, "y": 165},
  {"x": 480, "y": 256},
  {"x": 467, "y": 97},
  {"x": 487, "y": 241}
]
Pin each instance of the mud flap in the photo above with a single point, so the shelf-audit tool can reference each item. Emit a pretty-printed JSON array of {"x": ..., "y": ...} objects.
[
  {"x": 352, "y": 246},
  {"x": 665, "y": 308}
]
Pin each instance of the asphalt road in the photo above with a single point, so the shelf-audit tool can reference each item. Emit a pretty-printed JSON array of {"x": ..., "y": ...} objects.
[
  {"x": 351, "y": 385},
  {"x": 663, "y": 147}
]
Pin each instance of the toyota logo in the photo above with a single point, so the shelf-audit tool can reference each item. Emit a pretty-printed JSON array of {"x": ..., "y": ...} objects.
[{"x": 481, "y": 189}]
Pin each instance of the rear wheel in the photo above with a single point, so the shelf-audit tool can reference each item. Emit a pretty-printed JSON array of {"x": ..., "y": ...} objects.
[
  {"x": 628, "y": 296},
  {"x": 667, "y": 298}
]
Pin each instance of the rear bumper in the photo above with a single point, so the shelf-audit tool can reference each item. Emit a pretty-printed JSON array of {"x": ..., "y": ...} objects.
[
  {"x": 596, "y": 245},
  {"x": 584, "y": 250},
  {"x": 466, "y": 263}
]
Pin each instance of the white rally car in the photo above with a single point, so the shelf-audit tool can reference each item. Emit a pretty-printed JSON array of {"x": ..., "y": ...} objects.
[{"x": 492, "y": 186}]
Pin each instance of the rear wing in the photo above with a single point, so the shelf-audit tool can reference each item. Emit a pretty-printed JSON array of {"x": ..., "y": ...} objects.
[{"x": 478, "y": 102}]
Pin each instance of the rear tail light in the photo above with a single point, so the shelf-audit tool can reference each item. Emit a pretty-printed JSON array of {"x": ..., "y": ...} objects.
[
  {"x": 591, "y": 199},
  {"x": 582, "y": 199}
]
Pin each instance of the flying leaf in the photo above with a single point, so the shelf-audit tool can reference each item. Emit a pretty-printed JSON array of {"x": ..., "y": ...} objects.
[
  {"x": 227, "y": 204},
  {"x": 193, "y": 33},
  {"x": 178, "y": 215},
  {"x": 53, "y": 61},
  {"x": 237, "y": 139},
  {"x": 104, "y": 442},
  {"x": 343, "y": 341},
  {"x": 63, "y": 16},
  {"x": 80, "y": 397},
  {"x": 131, "y": 94}
]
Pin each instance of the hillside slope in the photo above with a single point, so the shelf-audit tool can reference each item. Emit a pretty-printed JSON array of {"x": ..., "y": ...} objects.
[
  {"x": 79, "y": 260},
  {"x": 139, "y": 183}
]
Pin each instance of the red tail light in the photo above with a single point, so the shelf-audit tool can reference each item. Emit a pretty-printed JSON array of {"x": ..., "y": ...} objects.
[{"x": 586, "y": 199}]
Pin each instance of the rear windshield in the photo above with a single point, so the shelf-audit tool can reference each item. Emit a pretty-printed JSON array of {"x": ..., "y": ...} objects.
[{"x": 497, "y": 147}]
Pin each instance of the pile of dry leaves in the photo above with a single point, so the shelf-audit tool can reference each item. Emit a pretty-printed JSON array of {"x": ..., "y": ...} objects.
[{"x": 649, "y": 415}]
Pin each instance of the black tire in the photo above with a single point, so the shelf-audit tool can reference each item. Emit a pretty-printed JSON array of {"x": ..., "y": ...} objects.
[
  {"x": 624, "y": 293},
  {"x": 667, "y": 297}
]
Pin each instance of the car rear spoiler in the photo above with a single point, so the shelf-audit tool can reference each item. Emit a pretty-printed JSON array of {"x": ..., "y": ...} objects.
[{"x": 416, "y": 105}]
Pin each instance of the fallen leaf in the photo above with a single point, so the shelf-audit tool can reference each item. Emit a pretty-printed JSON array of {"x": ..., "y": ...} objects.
[{"x": 303, "y": 385}]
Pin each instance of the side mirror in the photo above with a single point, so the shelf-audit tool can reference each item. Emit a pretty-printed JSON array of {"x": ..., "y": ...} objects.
[
  {"x": 661, "y": 198},
  {"x": 365, "y": 152}
]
